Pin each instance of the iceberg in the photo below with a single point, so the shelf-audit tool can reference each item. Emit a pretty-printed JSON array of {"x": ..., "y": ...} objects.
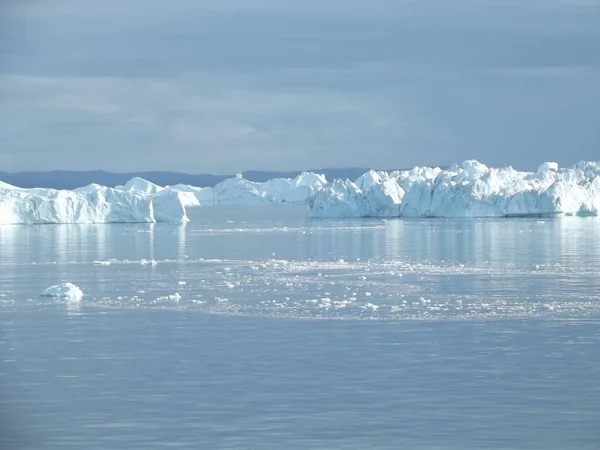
[
  {"x": 467, "y": 189},
  {"x": 471, "y": 189},
  {"x": 295, "y": 190},
  {"x": 373, "y": 194},
  {"x": 239, "y": 191},
  {"x": 92, "y": 204},
  {"x": 204, "y": 195},
  {"x": 65, "y": 290},
  {"x": 140, "y": 200},
  {"x": 341, "y": 198}
]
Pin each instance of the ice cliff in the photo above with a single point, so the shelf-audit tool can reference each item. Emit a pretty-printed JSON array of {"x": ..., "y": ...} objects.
[{"x": 467, "y": 189}]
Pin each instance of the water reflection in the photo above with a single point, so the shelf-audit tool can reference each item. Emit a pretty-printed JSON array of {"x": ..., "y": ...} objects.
[
  {"x": 511, "y": 258},
  {"x": 98, "y": 242},
  {"x": 493, "y": 240},
  {"x": 140, "y": 367},
  {"x": 480, "y": 241}
]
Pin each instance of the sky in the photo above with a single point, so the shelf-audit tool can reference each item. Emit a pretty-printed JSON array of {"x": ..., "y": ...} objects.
[{"x": 222, "y": 86}]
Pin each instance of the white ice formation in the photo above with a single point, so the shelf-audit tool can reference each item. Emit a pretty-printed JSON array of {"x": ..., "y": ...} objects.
[
  {"x": 67, "y": 291},
  {"x": 91, "y": 204},
  {"x": 468, "y": 189},
  {"x": 239, "y": 191},
  {"x": 140, "y": 200}
]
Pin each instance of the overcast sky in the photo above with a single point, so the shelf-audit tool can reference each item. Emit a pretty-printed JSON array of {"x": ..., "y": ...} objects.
[{"x": 228, "y": 85}]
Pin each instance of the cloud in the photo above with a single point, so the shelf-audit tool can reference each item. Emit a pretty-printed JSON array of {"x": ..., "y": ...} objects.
[
  {"x": 219, "y": 123},
  {"x": 230, "y": 85}
]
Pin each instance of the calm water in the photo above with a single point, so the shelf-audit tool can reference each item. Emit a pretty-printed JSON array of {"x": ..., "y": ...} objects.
[{"x": 257, "y": 328}]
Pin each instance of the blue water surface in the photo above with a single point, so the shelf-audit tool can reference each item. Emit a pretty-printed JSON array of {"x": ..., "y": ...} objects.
[{"x": 256, "y": 328}]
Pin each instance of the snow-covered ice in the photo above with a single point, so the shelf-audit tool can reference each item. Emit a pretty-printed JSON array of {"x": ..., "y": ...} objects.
[{"x": 64, "y": 290}]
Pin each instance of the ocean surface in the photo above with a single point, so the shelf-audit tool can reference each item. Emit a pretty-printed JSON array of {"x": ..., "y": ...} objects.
[{"x": 257, "y": 328}]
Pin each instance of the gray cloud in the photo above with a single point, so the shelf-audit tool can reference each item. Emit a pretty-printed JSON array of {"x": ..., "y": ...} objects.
[{"x": 231, "y": 85}]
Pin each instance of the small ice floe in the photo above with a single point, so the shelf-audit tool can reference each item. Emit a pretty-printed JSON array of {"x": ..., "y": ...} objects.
[
  {"x": 174, "y": 297},
  {"x": 102, "y": 263},
  {"x": 181, "y": 283},
  {"x": 67, "y": 291},
  {"x": 151, "y": 262}
]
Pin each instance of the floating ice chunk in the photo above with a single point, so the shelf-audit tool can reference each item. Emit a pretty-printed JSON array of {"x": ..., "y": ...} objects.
[
  {"x": 173, "y": 297},
  {"x": 65, "y": 290}
]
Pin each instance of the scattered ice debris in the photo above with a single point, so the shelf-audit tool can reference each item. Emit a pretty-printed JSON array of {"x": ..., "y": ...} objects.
[
  {"x": 102, "y": 263},
  {"x": 150, "y": 262},
  {"x": 64, "y": 290},
  {"x": 173, "y": 297}
]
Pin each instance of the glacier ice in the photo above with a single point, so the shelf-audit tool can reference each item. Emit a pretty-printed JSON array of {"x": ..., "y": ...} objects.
[
  {"x": 467, "y": 189},
  {"x": 64, "y": 290}
]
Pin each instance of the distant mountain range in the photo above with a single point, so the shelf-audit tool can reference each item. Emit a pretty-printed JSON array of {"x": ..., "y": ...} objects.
[{"x": 70, "y": 179}]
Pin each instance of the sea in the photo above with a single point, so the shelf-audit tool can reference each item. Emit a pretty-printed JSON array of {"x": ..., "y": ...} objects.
[{"x": 260, "y": 328}]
